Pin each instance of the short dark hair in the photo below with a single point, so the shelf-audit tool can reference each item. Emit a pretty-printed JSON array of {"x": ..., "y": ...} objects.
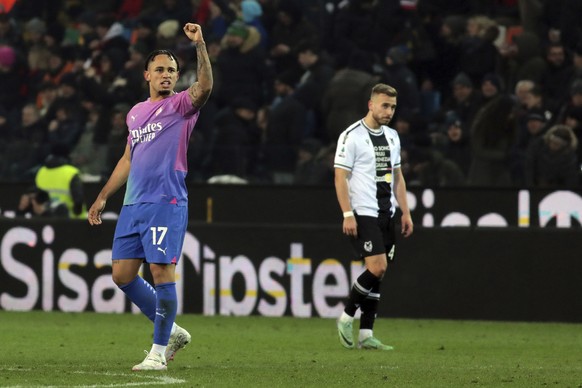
[{"x": 154, "y": 53}]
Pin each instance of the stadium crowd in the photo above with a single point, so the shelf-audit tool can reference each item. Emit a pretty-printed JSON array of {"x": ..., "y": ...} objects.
[{"x": 490, "y": 91}]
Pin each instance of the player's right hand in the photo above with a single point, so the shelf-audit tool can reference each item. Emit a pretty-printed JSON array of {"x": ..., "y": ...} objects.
[
  {"x": 94, "y": 214},
  {"x": 350, "y": 227}
]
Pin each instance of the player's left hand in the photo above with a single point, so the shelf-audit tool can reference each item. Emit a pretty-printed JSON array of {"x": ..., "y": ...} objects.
[
  {"x": 194, "y": 32},
  {"x": 94, "y": 214},
  {"x": 407, "y": 225}
]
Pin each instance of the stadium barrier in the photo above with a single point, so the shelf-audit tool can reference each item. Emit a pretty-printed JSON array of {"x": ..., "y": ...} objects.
[
  {"x": 304, "y": 270},
  {"x": 318, "y": 205}
]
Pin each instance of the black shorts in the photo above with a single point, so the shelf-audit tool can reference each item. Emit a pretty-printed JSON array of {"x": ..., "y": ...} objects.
[{"x": 376, "y": 235}]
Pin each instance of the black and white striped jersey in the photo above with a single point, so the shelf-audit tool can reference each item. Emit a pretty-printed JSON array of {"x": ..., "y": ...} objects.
[{"x": 370, "y": 156}]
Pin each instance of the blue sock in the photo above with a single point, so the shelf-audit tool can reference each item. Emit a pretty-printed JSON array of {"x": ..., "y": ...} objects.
[
  {"x": 166, "y": 307},
  {"x": 143, "y": 295}
]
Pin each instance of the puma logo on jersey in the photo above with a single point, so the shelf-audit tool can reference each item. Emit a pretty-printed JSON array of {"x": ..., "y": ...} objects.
[{"x": 162, "y": 250}]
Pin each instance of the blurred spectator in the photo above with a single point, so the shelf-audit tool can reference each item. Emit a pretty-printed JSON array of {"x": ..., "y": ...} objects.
[
  {"x": 576, "y": 63},
  {"x": 9, "y": 34},
  {"x": 110, "y": 36},
  {"x": 101, "y": 83},
  {"x": 404, "y": 124},
  {"x": 553, "y": 162},
  {"x": 492, "y": 137},
  {"x": 236, "y": 140},
  {"x": 491, "y": 86},
  {"x": 317, "y": 73},
  {"x": 241, "y": 66},
  {"x": 560, "y": 19},
  {"x": 87, "y": 30},
  {"x": 37, "y": 59},
  {"x": 465, "y": 100},
  {"x": 58, "y": 66},
  {"x": 88, "y": 155},
  {"x": 47, "y": 95},
  {"x": 251, "y": 14},
  {"x": 521, "y": 94},
  {"x": 66, "y": 114},
  {"x": 285, "y": 129},
  {"x": 479, "y": 55},
  {"x": 171, "y": 10},
  {"x": 167, "y": 34},
  {"x": 397, "y": 74},
  {"x": 535, "y": 126},
  {"x": 37, "y": 203},
  {"x": 10, "y": 92},
  {"x": 431, "y": 169},
  {"x": 456, "y": 147},
  {"x": 359, "y": 23},
  {"x": 117, "y": 137},
  {"x": 312, "y": 168},
  {"x": 522, "y": 59},
  {"x": 574, "y": 100},
  {"x": 34, "y": 31},
  {"x": 573, "y": 119},
  {"x": 556, "y": 76},
  {"x": 26, "y": 146},
  {"x": 447, "y": 39},
  {"x": 62, "y": 181},
  {"x": 521, "y": 91},
  {"x": 144, "y": 33},
  {"x": 290, "y": 29},
  {"x": 345, "y": 100}
]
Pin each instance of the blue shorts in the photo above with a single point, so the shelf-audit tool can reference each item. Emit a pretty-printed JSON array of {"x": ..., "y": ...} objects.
[{"x": 150, "y": 231}]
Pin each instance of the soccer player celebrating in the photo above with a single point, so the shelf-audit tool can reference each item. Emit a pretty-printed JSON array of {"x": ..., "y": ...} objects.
[
  {"x": 368, "y": 182},
  {"x": 153, "y": 220}
]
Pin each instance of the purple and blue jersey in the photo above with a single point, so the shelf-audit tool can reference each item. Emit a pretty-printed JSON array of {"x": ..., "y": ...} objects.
[{"x": 159, "y": 133}]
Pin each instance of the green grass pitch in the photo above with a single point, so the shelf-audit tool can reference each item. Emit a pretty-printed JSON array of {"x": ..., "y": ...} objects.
[{"x": 98, "y": 350}]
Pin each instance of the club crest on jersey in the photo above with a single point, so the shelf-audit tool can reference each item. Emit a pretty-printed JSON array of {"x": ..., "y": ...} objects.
[
  {"x": 392, "y": 142},
  {"x": 159, "y": 111},
  {"x": 368, "y": 246}
]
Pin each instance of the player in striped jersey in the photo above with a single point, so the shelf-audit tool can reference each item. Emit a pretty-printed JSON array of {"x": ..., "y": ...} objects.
[
  {"x": 369, "y": 182},
  {"x": 152, "y": 223}
]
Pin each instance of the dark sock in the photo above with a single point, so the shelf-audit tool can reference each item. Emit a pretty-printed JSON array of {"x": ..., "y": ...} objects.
[
  {"x": 369, "y": 308},
  {"x": 360, "y": 290}
]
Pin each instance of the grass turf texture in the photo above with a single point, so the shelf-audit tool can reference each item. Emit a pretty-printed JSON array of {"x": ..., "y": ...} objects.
[{"x": 98, "y": 350}]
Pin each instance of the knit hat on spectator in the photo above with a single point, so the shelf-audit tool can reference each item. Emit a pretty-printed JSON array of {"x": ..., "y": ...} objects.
[
  {"x": 35, "y": 25},
  {"x": 7, "y": 56},
  {"x": 251, "y": 9},
  {"x": 463, "y": 79},
  {"x": 168, "y": 29},
  {"x": 238, "y": 28},
  {"x": 537, "y": 114},
  {"x": 398, "y": 54},
  {"x": 494, "y": 79}
]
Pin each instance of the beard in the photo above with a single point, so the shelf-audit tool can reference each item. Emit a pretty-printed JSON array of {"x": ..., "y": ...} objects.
[{"x": 165, "y": 93}]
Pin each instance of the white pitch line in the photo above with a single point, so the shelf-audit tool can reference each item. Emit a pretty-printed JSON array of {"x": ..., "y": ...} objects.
[{"x": 152, "y": 380}]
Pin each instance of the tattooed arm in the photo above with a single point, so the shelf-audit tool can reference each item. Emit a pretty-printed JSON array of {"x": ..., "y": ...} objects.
[{"x": 200, "y": 90}]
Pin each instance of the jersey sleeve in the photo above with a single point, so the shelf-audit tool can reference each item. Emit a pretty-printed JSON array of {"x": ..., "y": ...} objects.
[
  {"x": 344, "y": 153},
  {"x": 183, "y": 104}
]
